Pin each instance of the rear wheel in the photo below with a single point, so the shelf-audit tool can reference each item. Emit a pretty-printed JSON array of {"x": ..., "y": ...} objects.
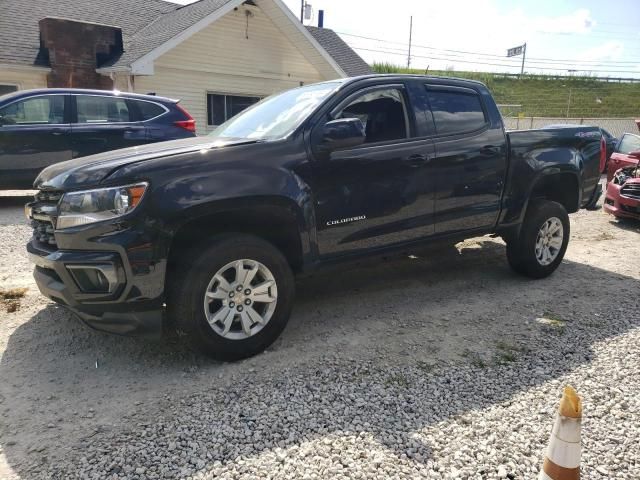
[
  {"x": 540, "y": 247},
  {"x": 232, "y": 297}
]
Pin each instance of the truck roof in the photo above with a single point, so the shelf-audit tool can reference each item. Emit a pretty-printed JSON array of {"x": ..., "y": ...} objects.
[{"x": 414, "y": 76}]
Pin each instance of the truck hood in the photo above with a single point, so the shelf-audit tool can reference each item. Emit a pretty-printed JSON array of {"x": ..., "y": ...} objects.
[{"x": 91, "y": 170}]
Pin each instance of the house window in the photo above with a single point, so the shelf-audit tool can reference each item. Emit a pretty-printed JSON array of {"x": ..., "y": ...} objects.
[
  {"x": 4, "y": 89},
  {"x": 221, "y": 108}
]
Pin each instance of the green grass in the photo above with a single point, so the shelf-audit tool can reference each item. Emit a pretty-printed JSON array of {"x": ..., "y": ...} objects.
[
  {"x": 475, "y": 358},
  {"x": 548, "y": 96},
  {"x": 507, "y": 352},
  {"x": 398, "y": 380}
]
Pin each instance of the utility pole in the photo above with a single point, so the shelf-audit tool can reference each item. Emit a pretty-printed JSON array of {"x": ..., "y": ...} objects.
[
  {"x": 524, "y": 53},
  {"x": 301, "y": 11},
  {"x": 410, "y": 32}
]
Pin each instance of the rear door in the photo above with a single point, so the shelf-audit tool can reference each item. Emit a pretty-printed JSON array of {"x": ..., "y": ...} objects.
[
  {"x": 470, "y": 161},
  {"x": 103, "y": 123},
  {"x": 620, "y": 157},
  {"x": 34, "y": 133}
]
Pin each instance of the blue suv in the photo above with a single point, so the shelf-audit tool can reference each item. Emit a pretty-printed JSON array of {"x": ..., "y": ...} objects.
[{"x": 46, "y": 126}]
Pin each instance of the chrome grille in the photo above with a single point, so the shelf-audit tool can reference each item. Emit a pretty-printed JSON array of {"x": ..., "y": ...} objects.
[
  {"x": 631, "y": 190},
  {"x": 44, "y": 210}
]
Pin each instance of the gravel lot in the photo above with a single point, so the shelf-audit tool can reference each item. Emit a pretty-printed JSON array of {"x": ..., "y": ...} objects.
[{"x": 447, "y": 365}]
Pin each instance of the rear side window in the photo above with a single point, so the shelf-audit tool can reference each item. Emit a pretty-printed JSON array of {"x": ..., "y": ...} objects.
[
  {"x": 456, "y": 112},
  {"x": 149, "y": 110},
  {"x": 628, "y": 144},
  {"x": 95, "y": 109},
  {"x": 45, "y": 109}
]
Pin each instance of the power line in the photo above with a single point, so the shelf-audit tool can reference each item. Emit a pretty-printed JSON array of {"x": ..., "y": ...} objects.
[
  {"x": 530, "y": 60},
  {"x": 494, "y": 56},
  {"x": 496, "y": 64}
]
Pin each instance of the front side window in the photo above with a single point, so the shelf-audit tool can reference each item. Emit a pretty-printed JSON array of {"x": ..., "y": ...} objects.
[
  {"x": 629, "y": 143},
  {"x": 456, "y": 112},
  {"x": 96, "y": 109},
  {"x": 382, "y": 113},
  {"x": 46, "y": 109},
  {"x": 221, "y": 108}
]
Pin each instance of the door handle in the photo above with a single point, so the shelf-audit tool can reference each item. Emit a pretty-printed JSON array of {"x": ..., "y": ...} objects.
[
  {"x": 57, "y": 131},
  {"x": 416, "y": 160}
]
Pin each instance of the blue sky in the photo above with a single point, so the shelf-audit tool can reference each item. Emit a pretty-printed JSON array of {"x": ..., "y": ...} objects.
[
  {"x": 597, "y": 37},
  {"x": 601, "y": 37}
]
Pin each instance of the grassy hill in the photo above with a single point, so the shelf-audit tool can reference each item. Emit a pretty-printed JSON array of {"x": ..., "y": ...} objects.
[{"x": 550, "y": 96}]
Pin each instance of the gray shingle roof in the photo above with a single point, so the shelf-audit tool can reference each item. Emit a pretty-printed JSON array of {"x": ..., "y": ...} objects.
[
  {"x": 145, "y": 24},
  {"x": 19, "y": 29},
  {"x": 165, "y": 27},
  {"x": 352, "y": 64}
]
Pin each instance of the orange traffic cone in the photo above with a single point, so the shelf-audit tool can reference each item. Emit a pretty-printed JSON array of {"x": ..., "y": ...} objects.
[{"x": 563, "y": 455}]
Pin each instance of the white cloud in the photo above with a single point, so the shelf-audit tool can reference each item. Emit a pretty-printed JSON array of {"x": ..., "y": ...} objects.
[
  {"x": 579, "y": 21},
  {"x": 611, "y": 50}
]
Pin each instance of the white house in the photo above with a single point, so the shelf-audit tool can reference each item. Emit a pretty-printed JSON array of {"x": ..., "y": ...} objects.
[{"x": 217, "y": 56}]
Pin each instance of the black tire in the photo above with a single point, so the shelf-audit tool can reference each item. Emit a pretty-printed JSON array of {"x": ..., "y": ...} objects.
[
  {"x": 186, "y": 293},
  {"x": 521, "y": 250}
]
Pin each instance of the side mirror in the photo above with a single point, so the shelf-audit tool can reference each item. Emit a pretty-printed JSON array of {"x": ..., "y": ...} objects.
[
  {"x": 343, "y": 133},
  {"x": 5, "y": 121},
  {"x": 635, "y": 154}
]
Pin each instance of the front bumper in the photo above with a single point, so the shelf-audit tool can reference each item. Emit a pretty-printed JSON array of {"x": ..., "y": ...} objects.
[
  {"x": 618, "y": 205},
  {"x": 129, "y": 307}
]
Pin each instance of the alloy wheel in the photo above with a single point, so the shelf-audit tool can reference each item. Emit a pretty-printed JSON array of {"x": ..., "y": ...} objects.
[{"x": 240, "y": 299}]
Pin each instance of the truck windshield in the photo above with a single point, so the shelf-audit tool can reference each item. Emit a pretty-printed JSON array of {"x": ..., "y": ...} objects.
[{"x": 276, "y": 116}]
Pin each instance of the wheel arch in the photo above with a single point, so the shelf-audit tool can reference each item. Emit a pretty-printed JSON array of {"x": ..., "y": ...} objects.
[
  {"x": 555, "y": 183},
  {"x": 278, "y": 220},
  {"x": 558, "y": 185}
]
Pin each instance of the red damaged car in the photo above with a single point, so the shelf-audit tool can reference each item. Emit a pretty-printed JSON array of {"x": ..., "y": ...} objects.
[
  {"x": 623, "y": 191},
  {"x": 622, "y": 155}
]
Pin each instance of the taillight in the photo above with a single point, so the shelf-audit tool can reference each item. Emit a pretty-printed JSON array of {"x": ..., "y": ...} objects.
[
  {"x": 603, "y": 154},
  {"x": 188, "y": 124}
]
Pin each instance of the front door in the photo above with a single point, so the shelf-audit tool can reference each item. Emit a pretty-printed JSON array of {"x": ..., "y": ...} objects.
[
  {"x": 34, "y": 133},
  {"x": 381, "y": 192},
  {"x": 470, "y": 163},
  {"x": 104, "y": 123}
]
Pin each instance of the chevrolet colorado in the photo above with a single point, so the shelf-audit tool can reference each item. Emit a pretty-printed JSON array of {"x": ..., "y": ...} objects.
[{"x": 206, "y": 234}]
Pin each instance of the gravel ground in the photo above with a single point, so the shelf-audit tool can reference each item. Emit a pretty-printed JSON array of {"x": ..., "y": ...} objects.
[{"x": 446, "y": 365}]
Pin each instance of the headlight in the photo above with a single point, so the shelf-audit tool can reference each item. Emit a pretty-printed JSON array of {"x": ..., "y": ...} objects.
[{"x": 90, "y": 206}]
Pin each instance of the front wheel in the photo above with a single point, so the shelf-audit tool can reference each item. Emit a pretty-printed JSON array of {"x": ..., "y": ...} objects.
[
  {"x": 540, "y": 247},
  {"x": 233, "y": 297}
]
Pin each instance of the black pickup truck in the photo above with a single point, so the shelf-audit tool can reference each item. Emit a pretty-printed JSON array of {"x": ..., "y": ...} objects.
[{"x": 206, "y": 234}]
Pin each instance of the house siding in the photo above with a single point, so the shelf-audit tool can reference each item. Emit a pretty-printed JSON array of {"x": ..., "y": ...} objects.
[
  {"x": 221, "y": 59},
  {"x": 23, "y": 78}
]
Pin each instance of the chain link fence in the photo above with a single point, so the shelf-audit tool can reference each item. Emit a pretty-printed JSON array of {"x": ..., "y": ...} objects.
[{"x": 615, "y": 126}]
